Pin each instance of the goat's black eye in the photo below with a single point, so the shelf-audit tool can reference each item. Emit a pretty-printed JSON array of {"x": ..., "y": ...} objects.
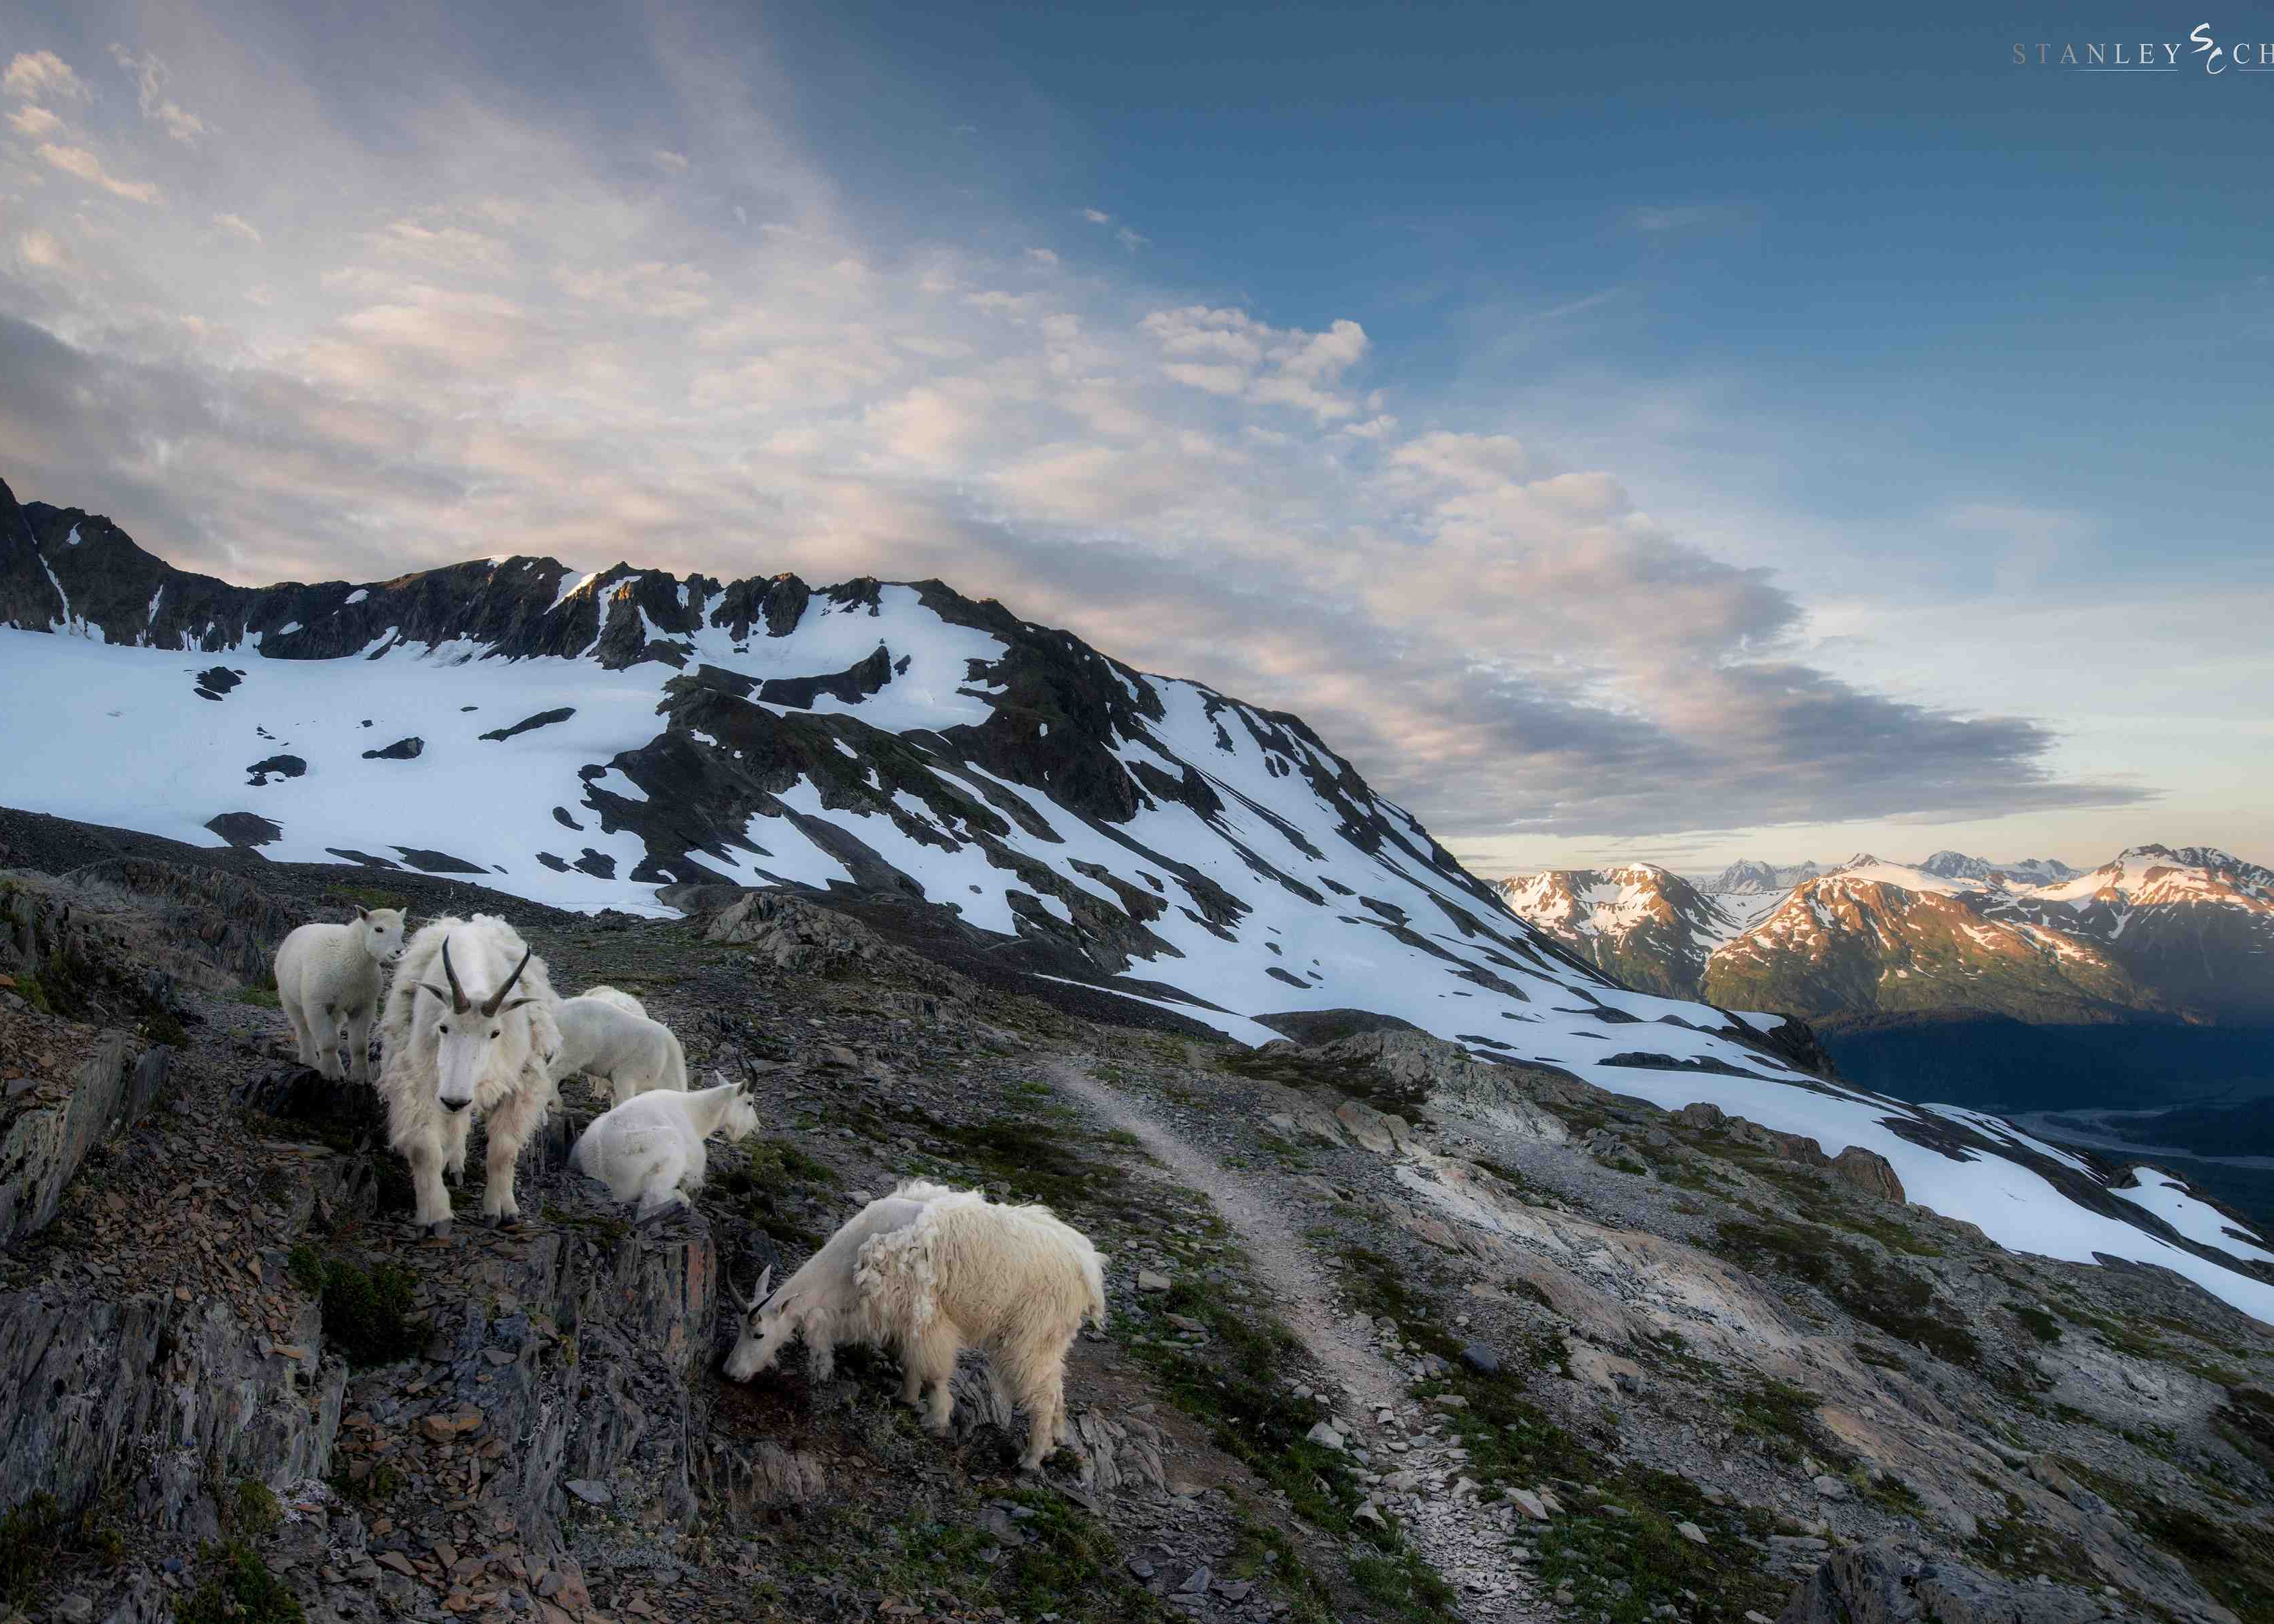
[
  {"x": 445, "y": 1027},
  {"x": 493, "y": 1031}
]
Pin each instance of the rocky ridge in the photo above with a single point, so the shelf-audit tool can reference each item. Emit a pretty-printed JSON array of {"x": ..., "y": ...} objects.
[{"x": 1560, "y": 1354}]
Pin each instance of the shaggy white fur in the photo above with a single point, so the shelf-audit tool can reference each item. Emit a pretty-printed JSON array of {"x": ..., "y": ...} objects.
[
  {"x": 466, "y": 1034},
  {"x": 618, "y": 996},
  {"x": 821, "y": 1300},
  {"x": 327, "y": 984},
  {"x": 650, "y": 1149},
  {"x": 1013, "y": 1281},
  {"x": 634, "y": 1053}
]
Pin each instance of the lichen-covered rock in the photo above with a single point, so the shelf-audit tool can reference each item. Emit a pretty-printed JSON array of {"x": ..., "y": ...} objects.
[
  {"x": 792, "y": 934},
  {"x": 164, "y": 1394},
  {"x": 1385, "y": 1133},
  {"x": 46, "y": 1128},
  {"x": 1884, "y": 1582},
  {"x": 1869, "y": 1171}
]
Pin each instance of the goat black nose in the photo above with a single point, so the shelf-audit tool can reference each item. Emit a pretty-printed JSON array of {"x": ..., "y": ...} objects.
[{"x": 456, "y": 1105}]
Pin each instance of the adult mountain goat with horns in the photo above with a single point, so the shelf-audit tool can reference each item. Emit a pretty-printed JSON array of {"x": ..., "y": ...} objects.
[{"x": 468, "y": 1032}]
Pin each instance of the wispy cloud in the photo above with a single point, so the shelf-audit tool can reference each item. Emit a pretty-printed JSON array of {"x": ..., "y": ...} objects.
[
  {"x": 150, "y": 77},
  {"x": 34, "y": 75},
  {"x": 79, "y": 161}
]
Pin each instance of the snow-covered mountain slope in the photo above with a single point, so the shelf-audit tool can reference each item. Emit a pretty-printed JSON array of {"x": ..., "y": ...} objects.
[
  {"x": 2183, "y": 933},
  {"x": 601, "y": 739},
  {"x": 1751, "y": 876},
  {"x": 1644, "y": 924},
  {"x": 2028, "y": 871}
]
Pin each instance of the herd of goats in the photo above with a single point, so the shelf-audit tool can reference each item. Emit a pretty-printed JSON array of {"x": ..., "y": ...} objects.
[{"x": 470, "y": 1026}]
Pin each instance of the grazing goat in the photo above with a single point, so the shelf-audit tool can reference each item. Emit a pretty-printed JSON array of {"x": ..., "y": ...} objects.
[
  {"x": 463, "y": 1046},
  {"x": 328, "y": 983},
  {"x": 634, "y": 1053},
  {"x": 821, "y": 1299},
  {"x": 1013, "y": 1281},
  {"x": 618, "y": 996},
  {"x": 650, "y": 1149}
]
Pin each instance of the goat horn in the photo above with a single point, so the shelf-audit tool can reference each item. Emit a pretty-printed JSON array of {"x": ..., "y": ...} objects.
[
  {"x": 497, "y": 997},
  {"x": 458, "y": 1000},
  {"x": 758, "y": 1297}
]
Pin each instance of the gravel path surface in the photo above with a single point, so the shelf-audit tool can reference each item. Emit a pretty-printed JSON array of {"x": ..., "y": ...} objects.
[{"x": 1468, "y": 1550}]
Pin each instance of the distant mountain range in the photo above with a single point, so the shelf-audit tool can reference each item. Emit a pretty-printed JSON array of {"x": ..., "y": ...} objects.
[{"x": 2186, "y": 933}]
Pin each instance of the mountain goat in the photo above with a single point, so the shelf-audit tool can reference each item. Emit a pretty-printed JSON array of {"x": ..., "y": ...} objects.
[
  {"x": 327, "y": 984},
  {"x": 1013, "y": 1281},
  {"x": 821, "y": 1299},
  {"x": 465, "y": 1046},
  {"x": 650, "y": 1149},
  {"x": 634, "y": 1053},
  {"x": 618, "y": 996}
]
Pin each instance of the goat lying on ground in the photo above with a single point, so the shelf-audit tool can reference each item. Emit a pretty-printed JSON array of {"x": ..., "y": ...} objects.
[
  {"x": 650, "y": 1149},
  {"x": 821, "y": 1299},
  {"x": 618, "y": 996},
  {"x": 327, "y": 984},
  {"x": 1013, "y": 1281},
  {"x": 634, "y": 1053},
  {"x": 471, "y": 1047}
]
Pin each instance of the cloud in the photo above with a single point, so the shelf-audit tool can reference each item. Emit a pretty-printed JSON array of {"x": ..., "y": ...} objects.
[
  {"x": 649, "y": 287},
  {"x": 1269, "y": 365},
  {"x": 671, "y": 162},
  {"x": 40, "y": 250},
  {"x": 34, "y": 121},
  {"x": 34, "y": 74},
  {"x": 551, "y": 352},
  {"x": 1130, "y": 239},
  {"x": 447, "y": 248},
  {"x": 84, "y": 164},
  {"x": 150, "y": 77}
]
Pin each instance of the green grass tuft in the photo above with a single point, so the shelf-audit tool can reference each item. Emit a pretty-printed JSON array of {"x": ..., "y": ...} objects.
[
  {"x": 367, "y": 1311},
  {"x": 243, "y": 1591}
]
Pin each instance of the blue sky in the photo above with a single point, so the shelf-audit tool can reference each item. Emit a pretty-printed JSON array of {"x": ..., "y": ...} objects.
[{"x": 1623, "y": 434}]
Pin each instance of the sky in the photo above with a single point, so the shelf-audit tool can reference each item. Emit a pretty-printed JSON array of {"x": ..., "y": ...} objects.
[{"x": 1622, "y": 436}]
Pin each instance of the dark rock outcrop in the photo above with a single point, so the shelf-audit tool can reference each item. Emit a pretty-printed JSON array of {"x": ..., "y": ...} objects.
[
  {"x": 246, "y": 829},
  {"x": 47, "y": 1130},
  {"x": 543, "y": 719},
  {"x": 1885, "y": 1583}
]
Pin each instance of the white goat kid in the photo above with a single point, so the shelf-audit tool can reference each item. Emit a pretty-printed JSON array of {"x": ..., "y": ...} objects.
[
  {"x": 458, "y": 1044},
  {"x": 327, "y": 984},
  {"x": 618, "y": 996},
  {"x": 1013, "y": 1281},
  {"x": 821, "y": 1300},
  {"x": 634, "y": 1053},
  {"x": 650, "y": 1149}
]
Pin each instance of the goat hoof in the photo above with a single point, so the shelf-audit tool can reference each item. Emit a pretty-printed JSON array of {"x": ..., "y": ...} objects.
[
  {"x": 507, "y": 1220},
  {"x": 439, "y": 1231}
]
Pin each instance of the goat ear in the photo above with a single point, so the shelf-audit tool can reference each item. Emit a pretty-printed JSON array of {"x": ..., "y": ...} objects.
[
  {"x": 437, "y": 991},
  {"x": 362, "y": 913},
  {"x": 515, "y": 1004}
]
